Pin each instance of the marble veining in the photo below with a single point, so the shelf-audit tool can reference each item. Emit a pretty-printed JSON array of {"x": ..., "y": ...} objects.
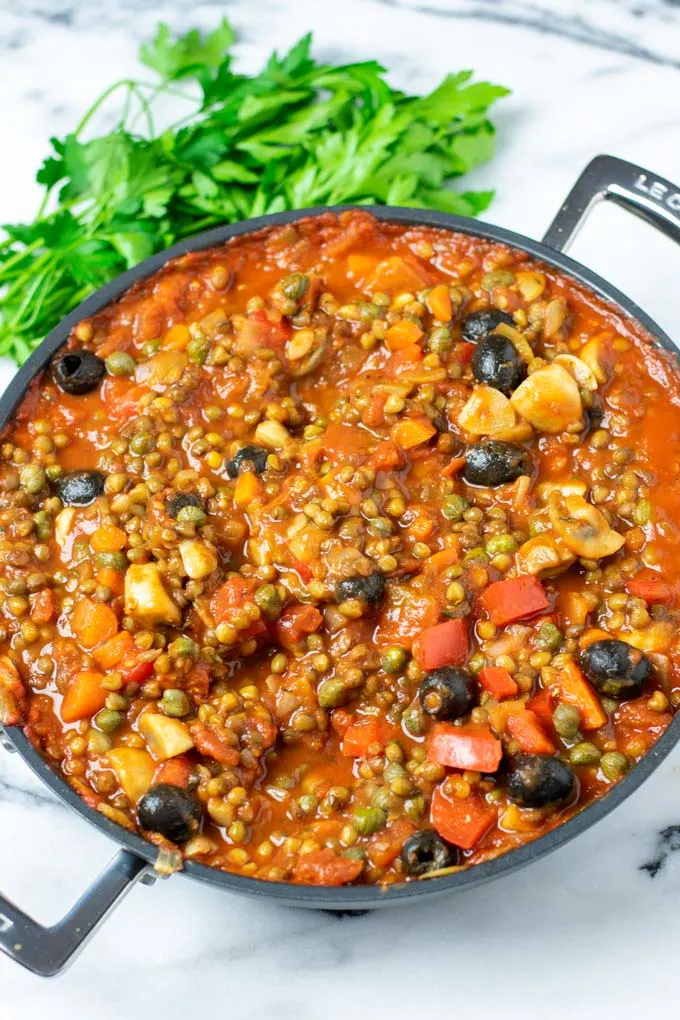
[{"x": 580, "y": 932}]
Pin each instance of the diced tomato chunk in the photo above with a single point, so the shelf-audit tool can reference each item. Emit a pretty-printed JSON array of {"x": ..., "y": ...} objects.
[
  {"x": 362, "y": 735},
  {"x": 295, "y": 623},
  {"x": 465, "y": 747},
  {"x": 527, "y": 730},
  {"x": 324, "y": 867},
  {"x": 498, "y": 682},
  {"x": 461, "y": 821}
]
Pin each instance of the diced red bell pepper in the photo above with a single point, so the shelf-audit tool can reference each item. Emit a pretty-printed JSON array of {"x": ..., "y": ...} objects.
[
  {"x": 445, "y": 644},
  {"x": 498, "y": 682},
  {"x": 650, "y": 587},
  {"x": 542, "y": 705},
  {"x": 513, "y": 599},
  {"x": 461, "y": 821},
  {"x": 464, "y": 747},
  {"x": 360, "y": 736}
]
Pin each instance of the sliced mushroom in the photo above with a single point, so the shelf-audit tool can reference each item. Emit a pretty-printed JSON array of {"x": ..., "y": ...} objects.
[
  {"x": 273, "y": 435},
  {"x": 198, "y": 558},
  {"x": 555, "y": 317},
  {"x": 567, "y": 487},
  {"x": 164, "y": 369},
  {"x": 657, "y": 637},
  {"x": 582, "y": 527},
  {"x": 543, "y": 556},
  {"x": 582, "y": 373},
  {"x": 549, "y": 400},
  {"x": 146, "y": 598},
  {"x": 591, "y": 355},
  {"x": 531, "y": 285},
  {"x": 487, "y": 413}
]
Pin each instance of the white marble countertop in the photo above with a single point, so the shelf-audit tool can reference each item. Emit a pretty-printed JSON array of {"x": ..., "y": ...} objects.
[{"x": 585, "y": 933}]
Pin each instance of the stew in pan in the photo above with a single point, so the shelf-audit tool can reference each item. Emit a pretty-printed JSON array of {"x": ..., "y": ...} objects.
[{"x": 346, "y": 552}]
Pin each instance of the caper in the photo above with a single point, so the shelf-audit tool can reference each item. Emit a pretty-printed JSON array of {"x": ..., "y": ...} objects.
[
  {"x": 108, "y": 720},
  {"x": 175, "y": 703},
  {"x": 566, "y": 720},
  {"x": 295, "y": 286},
  {"x": 142, "y": 443},
  {"x": 192, "y": 515},
  {"x": 183, "y": 647},
  {"x": 308, "y": 803},
  {"x": 331, "y": 693},
  {"x": 497, "y": 278},
  {"x": 394, "y": 659},
  {"x": 367, "y": 820},
  {"x": 32, "y": 478},
  {"x": 440, "y": 340},
  {"x": 614, "y": 764},
  {"x": 43, "y": 525},
  {"x": 501, "y": 544},
  {"x": 267, "y": 598},
  {"x": 414, "y": 808},
  {"x": 549, "y": 637},
  {"x": 120, "y": 363},
  {"x": 584, "y": 753},
  {"x": 198, "y": 349},
  {"x": 454, "y": 507}
]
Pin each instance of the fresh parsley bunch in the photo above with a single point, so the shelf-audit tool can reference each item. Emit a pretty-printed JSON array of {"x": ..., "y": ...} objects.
[{"x": 298, "y": 134}]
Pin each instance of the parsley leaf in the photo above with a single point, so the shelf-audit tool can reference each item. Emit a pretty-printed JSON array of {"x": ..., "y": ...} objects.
[{"x": 299, "y": 133}]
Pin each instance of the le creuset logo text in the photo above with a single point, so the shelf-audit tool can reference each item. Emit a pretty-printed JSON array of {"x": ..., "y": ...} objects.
[{"x": 659, "y": 191}]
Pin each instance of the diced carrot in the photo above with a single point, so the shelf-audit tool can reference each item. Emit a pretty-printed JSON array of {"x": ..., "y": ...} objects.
[
  {"x": 114, "y": 650},
  {"x": 395, "y": 274},
  {"x": 573, "y": 609},
  {"x": 542, "y": 705},
  {"x": 650, "y": 587},
  {"x": 362, "y": 735},
  {"x": 385, "y": 846},
  {"x": 13, "y": 697},
  {"x": 295, "y": 623},
  {"x": 177, "y": 337},
  {"x": 445, "y": 644},
  {"x": 324, "y": 867},
  {"x": 175, "y": 771},
  {"x": 498, "y": 682},
  {"x": 461, "y": 821},
  {"x": 455, "y": 465},
  {"x": 43, "y": 606},
  {"x": 412, "y": 432},
  {"x": 108, "y": 538},
  {"x": 526, "y": 729},
  {"x": 514, "y": 598},
  {"x": 571, "y": 686},
  {"x": 441, "y": 560},
  {"x": 113, "y": 579},
  {"x": 342, "y": 440},
  {"x": 403, "y": 333},
  {"x": 464, "y": 747},
  {"x": 248, "y": 487},
  {"x": 84, "y": 697},
  {"x": 420, "y": 529},
  {"x": 591, "y": 635},
  {"x": 360, "y": 266},
  {"x": 439, "y": 302},
  {"x": 93, "y": 622},
  {"x": 405, "y": 615}
]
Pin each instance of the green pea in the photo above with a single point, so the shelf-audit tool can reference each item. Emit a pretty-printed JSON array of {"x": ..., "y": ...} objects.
[
  {"x": 142, "y": 443},
  {"x": 440, "y": 341},
  {"x": 367, "y": 820},
  {"x": 267, "y": 598},
  {"x": 476, "y": 662},
  {"x": 192, "y": 515},
  {"x": 368, "y": 311},
  {"x": 566, "y": 720},
  {"x": 331, "y": 693},
  {"x": 175, "y": 703},
  {"x": 497, "y": 278},
  {"x": 614, "y": 764},
  {"x": 108, "y": 720},
  {"x": 501, "y": 544},
  {"x": 150, "y": 347},
  {"x": 413, "y": 721},
  {"x": 43, "y": 525},
  {"x": 198, "y": 349},
  {"x": 117, "y": 702},
  {"x": 355, "y": 853},
  {"x": 549, "y": 637},
  {"x": 53, "y": 471},
  {"x": 476, "y": 555},
  {"x": 183, "y": 647},
  {"x": 120, "y": 363},
  {"x": 393, "y": 771},
  {"x": 115, "y": 560},
  {"x": 454, "y": 507},
  {"x": 32, "y": 478},
  {"x": 295, "y": 286},
  {"x": 394, "y": 659},
  {"x": 584, "y": 753}
]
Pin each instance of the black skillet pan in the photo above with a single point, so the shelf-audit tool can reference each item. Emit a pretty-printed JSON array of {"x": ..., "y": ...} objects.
[{"x": 46, "y": 951}]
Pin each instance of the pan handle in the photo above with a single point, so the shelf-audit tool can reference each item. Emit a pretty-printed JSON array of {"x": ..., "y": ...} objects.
[
  {"x": 47, "y": 951},
  {"x": 644, "y": 194}
]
